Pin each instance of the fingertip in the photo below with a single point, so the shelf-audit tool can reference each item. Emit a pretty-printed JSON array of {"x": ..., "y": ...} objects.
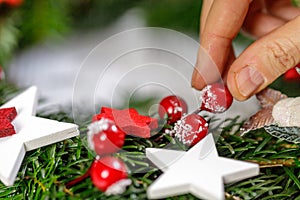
[
  {"x": 205, "y": 72},
  {"x": 264, "y": 61},
  {"x": 236, "y": 95},
  {"x": 233, "y": 87},
  {"x": 197, "y": 81}
]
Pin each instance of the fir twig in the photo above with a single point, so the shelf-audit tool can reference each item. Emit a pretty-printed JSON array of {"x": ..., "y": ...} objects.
[{"x": 46, "y": 171}]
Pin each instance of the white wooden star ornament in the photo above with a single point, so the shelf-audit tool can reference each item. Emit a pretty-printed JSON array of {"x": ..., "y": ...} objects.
[
  {"x": 199, "y": 171},
  {"x": 31, "y": 133}
]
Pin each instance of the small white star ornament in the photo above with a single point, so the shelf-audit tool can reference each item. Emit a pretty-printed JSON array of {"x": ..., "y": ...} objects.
[
  {"x": 31, "y": 133},
  {"x": 199, "y": 171}
]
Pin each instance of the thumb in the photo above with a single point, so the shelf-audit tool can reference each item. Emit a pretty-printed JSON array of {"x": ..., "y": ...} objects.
[{"x": 265, "y": 60}]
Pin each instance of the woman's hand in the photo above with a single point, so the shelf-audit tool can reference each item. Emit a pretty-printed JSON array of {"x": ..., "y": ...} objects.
[{"x": 275, "y": 24}]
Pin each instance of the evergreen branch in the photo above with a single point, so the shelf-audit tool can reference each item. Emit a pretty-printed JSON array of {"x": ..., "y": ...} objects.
[{"x": 46, "y": 171}]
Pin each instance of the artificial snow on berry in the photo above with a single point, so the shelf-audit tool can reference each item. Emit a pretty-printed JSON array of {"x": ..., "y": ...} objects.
[
  {"x": 104, "y": 137},
  {"x": 172, "y": 106},
  {"x": 215, "y": 98},
  {"x": 191, "y": 129},
  {"x": 109, "y": 175}
]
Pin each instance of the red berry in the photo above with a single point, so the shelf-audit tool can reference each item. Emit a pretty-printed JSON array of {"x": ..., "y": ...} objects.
[
  {"x": 293, "y": 74},
  {"x": 13, "y": 3},
  {"x": 174, "y": 107},
  {"x": 191, "y": 129},
  {"x": 105, "y": 137},
  {"x": 215, "y": 98},
  {"x": 107, "y": 171}
]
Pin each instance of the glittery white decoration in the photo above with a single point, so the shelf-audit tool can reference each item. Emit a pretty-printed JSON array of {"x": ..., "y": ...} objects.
[
  {"x": 199, "y": 171},
  {"x": 286, "y": 112},
  {"x": 287, "y": 133}
]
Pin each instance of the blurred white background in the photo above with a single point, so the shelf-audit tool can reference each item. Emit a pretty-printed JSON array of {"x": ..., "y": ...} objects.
[{"x": 78, "y": 69}]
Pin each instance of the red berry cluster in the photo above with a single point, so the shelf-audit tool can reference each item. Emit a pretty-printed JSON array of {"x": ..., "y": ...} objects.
[
  {"x": 107, "y": 132},
  {"x": 190, "y": 129},
  {"x": 105, "y": 138},
  {"x": 106, "y": 135}
]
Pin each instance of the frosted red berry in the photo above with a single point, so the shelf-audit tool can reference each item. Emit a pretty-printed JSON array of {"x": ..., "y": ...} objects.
[
  {"x": 107, "y": 171},
  {"x": 105, "y": 137},
  {"x": 191, "y": 129},
  {"x": 172, "y": 106},
  {"x": 215, "y": 98},
  {"x": 292, "y": 74}
]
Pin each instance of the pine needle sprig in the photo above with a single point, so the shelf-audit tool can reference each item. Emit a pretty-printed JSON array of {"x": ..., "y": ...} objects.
[
  {"x": 278, "y": 160},
  {"x": 46, "y": 171}
]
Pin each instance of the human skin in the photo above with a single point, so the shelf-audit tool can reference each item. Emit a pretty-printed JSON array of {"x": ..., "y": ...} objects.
[{"x": 276, "y": 26}]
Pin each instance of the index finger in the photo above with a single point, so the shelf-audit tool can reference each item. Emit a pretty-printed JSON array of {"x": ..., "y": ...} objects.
[{"x": 223, "y": 23}]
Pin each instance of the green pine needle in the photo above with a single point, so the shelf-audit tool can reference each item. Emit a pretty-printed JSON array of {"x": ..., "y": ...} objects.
[{"x": 45, "y": 171}]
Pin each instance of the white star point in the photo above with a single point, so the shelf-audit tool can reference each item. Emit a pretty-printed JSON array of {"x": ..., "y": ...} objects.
[
  {"x": 199, "y": 171},
  {"x": 31, "y": 133}
]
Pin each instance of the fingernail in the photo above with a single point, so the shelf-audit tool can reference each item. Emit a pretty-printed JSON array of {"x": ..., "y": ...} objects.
[{"x": 248, "y": 80}]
